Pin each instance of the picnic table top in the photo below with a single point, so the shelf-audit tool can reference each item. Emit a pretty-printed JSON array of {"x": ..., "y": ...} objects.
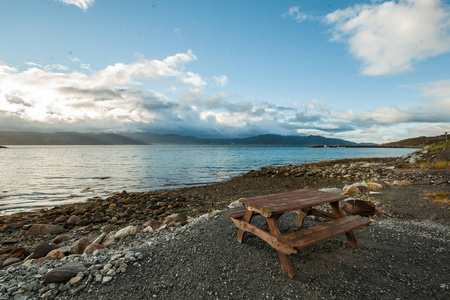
[{"x": 290, "y": 201}]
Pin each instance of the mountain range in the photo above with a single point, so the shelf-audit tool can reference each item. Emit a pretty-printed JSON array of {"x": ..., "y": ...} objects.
[{"x": 147, "y": 138}]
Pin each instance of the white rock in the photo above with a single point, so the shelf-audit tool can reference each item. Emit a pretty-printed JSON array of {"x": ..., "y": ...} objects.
[
  {"x": 106, "y": 279},
  {"x": 126, "y": 232},
  {"x": 374, "y": 186},
  {"x": 234, "y": 204},
  {"x": 148, "y": 229}
]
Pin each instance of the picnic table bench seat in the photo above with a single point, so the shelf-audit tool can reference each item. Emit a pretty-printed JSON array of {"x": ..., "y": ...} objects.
[
  {"x": 237, "y": 214},
  {"x": 309, "y": 236}
]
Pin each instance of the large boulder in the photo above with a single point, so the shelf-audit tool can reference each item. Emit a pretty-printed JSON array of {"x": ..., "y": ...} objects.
[
  {"x": 42, "y": 250},
  {"x": 79, "y": 246},
  {"x": 374, "y": 186},
  {"x": 352, "y": 191},
  {"x": 61, "y": 238},
  {"x": 64, "y": 273},
  {"x": 126, "y": 232},
  {"x": 73, "y": 220},
  {"x": 92, "y": 247},
  {"x": 44, "y": 229},
  {"x": 59, "y": 253}
]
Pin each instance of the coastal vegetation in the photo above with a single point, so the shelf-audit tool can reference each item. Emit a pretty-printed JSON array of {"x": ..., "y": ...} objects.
[{"x": 431, "y": 157}]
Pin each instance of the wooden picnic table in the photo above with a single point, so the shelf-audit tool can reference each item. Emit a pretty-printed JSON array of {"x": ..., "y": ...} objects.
[{"x": 303, "y": 201}]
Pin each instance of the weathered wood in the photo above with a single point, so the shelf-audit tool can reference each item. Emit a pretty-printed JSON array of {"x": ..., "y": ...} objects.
[
  {"x": 264, "y": 213},
  {"x": 264, "y": 235},
  {"x": 289, "y": 201},
  {"x": 265, "y": 225},
  {"x": 322, "y": 214},
  {"x": 237, "y": 214},
  {"x": 302, "y": 214},
  {"x": 285, "y": 263},
  {"x": 309, "y": 236},
  {"x": 337, "y": 209},
  {"x": 273, "y": 206},
  {"x": 247, "y": 218},
  {"x": 351, "y": 238}
]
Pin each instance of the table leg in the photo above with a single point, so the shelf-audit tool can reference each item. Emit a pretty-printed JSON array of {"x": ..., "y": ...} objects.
[
  {"x": 247, "y": 218},
  {"x": 285, "y": 263},
  {"x": 302, "y": 214},
  {"x": 351, "y": 238},
  {"x": 265, "y": 225}
]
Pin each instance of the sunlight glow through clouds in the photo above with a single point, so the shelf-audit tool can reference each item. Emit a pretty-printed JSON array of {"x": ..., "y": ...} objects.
[{"x": 47, "y": 95}]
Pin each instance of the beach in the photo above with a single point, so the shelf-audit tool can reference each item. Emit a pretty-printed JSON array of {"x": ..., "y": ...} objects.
[{"x": 184, "y": 244}]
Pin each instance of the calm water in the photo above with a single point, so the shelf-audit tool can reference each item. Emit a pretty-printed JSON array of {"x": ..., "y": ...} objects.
[{"x": 43, "y": 176}]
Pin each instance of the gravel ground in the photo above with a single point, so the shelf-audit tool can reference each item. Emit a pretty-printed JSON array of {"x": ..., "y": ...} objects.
[
  {"x": 404, "y": 253},
  {"x": 400, "y": 258}
]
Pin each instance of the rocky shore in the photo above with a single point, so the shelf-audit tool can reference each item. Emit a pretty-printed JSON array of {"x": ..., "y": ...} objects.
[{"x": 78, "y": 248}]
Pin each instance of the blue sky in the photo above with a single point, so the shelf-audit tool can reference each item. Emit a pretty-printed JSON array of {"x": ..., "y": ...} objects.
[{"x": 365, "y": 71}]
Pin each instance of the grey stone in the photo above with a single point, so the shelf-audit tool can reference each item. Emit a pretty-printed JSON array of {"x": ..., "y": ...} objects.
[
  {"x": 44, "y": 229},
  {"x": 10, "y": 261},
  {"x": 42, "y": 250},
  {"x": 64, "y": 273},
  {"x": 61, "y": 238},
  {"x": 79, "y": 246}
]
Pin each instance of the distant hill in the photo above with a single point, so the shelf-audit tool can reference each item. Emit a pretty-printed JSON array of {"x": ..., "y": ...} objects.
[
  {"x": 147, "y": 138},
  {"x": 63, "y": 138},
  {"x": 418, "y": 142},
  {"x": 291, "y": 140}
]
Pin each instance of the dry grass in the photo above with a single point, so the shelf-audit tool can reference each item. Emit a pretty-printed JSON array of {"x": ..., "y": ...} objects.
[
  {"x": 438, "y": 197},
  {"x": 434, "y": 165}
]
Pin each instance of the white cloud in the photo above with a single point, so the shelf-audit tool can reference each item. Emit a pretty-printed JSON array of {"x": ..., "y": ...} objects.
[
  {"x": 390, "y": 37},
  {"x": 73, "y": 58},
  {"x": 194, "y": 79},
  {"x": 440, "y": 91},
  {"x": 317, "y": 105},
  {"x": 221, "y": 80},
  {"x": 297, "y": 15},
  {"x": 431, "y": 129},
  {"x": 434, "y": 109},
  {"x": 56, "y": 67},
  {"x": 33, "y": 64},
  {"x": 83, "y": 4},
  {"x": 109, "y": 96},
  {"x": 85, "y": 66}
]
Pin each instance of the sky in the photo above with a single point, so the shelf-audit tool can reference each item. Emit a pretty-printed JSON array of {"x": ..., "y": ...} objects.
[{"x": 364, "y": 71}]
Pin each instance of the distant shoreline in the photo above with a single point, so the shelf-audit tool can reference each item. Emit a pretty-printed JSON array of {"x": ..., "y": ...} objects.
[{"x": 364, "y": 146}]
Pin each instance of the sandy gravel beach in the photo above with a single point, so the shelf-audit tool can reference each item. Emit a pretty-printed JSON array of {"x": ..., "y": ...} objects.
[{"x": 404, "y": 253}]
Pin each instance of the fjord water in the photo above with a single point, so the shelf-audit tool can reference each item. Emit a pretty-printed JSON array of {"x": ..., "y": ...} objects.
[{"x": 45, "y": 176}]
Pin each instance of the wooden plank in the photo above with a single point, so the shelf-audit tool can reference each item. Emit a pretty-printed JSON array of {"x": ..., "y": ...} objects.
[
  {"x": 309, "y": 236},
  {"x": 302, "y": 214},
  {"x": 237, "y": 214},
  {"x": 271, "y": 240},
  {"x": 247, "y": 218},
  {"x": 286, "y": 266},
  {"x": 289, "y": 201},
  {"x": 322, "y": 214}
]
